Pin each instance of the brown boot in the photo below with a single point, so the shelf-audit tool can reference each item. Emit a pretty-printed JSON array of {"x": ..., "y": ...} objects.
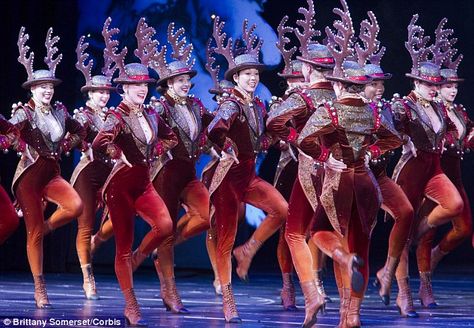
[
  {"x": 288, "y": 297},
  {"x": 385, "y": 277},
  {"x": 318, "y": 274},
  {"x": 353, "y": 312},
  {"x": 345, "y": 295},
  {"x": 244, "y": 255},
  {"x": 41, "y": 295},
  {"x": 426, "y": 291},
  {"x": 352, "y": 262},
  {"x": 89, "y": 287},
  {"x": 229, "y": 307},
  {"x": 170, "y": 296},
  {"x": 404, "y": 299},
  {"x": 436, "y": 255},
  {"x": 313, "y": 301},
  {"x": 132, "y": 312}
]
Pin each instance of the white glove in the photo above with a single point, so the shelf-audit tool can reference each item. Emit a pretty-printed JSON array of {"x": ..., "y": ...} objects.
[
  {"x": 28, "y": 154},
  {"x": 471, "y": 135},
  {"x": 334, "y": 164},
  {"x": 409, "y": 146},
  {"x": 90, "y": 153},
  {"x": 367, "y": 158},
  {"x": 125, "y": 160},
  {"x": 229, "y": 154}
]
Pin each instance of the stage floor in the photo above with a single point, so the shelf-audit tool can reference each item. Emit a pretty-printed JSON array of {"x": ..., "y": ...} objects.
[{"x": 258, "y": 302}]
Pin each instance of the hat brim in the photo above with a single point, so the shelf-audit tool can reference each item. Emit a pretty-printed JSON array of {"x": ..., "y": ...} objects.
[
  {"x": 230, "y": 72},
  {"x": 424, "y": 80},
  {"x": 290, "y": 76},
  {"x": 29, "y": 84},
  {"x": 162, "y": 81},
  {"x": 385, "y": 76},
  {"x": 88, "y": 88},
  {"x": 321, "y": 65},
  {"x": 453, "y": 80},
  {"x": 346, "y": 80},
  {"x": 130, "y": 81}
]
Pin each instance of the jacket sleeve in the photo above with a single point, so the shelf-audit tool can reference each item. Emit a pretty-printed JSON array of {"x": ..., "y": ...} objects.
[
  {"x": 76, "y": 131},
  {"x": 8, "y": 132},
  {"x": 221, "y": 123},
  {"x": 168, "y": 138},
  {"x": 318, "y": 125},
  {"x": 104, "y": 141},
  {"x": 387, "y": 138},
  {"x": 280, "y": 115}
]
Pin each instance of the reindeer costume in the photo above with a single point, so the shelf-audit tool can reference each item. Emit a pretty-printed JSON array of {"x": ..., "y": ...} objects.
[
  {"x": 134, "y": 136},
  {"x": 239, "y": 131},
  {"x": 94, "y": 167},
  {"x": 458, "y": 141},
  {"x": 350, "y": 197},
  {"x": 286, "y": 120},
  {"x": 9, "y": 221},
  {"x": 188, "y": 119},
  {"x": 394, "y": 200},
  {"x": 419, "y": 171},
  {"x": 48, "y": 130}
]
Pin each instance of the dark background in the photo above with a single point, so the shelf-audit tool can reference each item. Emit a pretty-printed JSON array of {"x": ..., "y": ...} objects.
[{"x": 393, "y": 17}]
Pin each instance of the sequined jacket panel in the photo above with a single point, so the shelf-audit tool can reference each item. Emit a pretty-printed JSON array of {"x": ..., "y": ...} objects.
[
  {"x": 242, "y": 124},
  {"x": 458, "y": 143},
  {"x": 188, "y": 148},
  {"x": 122, "y": 132},
  {"x": 410, "y": 119}
]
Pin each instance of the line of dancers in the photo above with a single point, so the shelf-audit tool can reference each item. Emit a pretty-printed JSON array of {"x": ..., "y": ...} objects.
[{"x": 335, "y": 131}]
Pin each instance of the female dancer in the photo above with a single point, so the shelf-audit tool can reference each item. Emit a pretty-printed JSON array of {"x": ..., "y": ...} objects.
[
  {"x": 133, "y": 135},
  {"x": 48, "y": 130}
]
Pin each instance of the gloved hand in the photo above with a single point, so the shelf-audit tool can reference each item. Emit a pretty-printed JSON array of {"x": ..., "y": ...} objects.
[{"x": 334, "y": 164}]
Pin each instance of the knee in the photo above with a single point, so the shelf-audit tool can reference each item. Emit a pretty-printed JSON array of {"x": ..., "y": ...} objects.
[
  {"x": 280, "y": 210},
  {"x": 293, "y": 238},
  {"x": 165, "y": 227},
  {"x": 75, "y": 207}
]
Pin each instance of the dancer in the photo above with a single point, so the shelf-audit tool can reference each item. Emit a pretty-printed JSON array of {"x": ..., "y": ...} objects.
[
  {"x": 174, "y": 176},
  {"x": 457, "y": 143},
  {"x": 395, "y": 202},
  {"x": 48, "y": 131},
  {"x": 133, "y": 135},
  {"x": 418, "y": 171},
  {"x": 94, "y": 167},
  {"x": 9, "y": 135},
  {"x": 298, "y": 107},
  {"x": 350, "y": 133},
  {"x": 238, "y": 130}
]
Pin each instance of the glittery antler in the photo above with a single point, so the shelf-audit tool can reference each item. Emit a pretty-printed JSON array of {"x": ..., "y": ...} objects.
[
  {"x": 368, "y": 36},
  {"x": 442, "y": 44},
  {"x": 305, "y": 38},
  {"x": 416, "y": 44},
  {"x": 250, "y": 39},
  {"x": 213, "y": 70},
  {"x": 339, "y": 43},
  {"x": 25, "y": 59},
  {"x": 181, "y": 50},
  {"x": 220, "y": 36},
  {"x": 51, "y": 50},
  {"x": 82, "y": 58},
  {"x": 287, "y": 54},
  {"x": 146, "y": 46},
  {"x": 111, "y": 47}
]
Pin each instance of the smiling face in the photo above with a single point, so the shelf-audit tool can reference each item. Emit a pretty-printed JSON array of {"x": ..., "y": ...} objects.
[
  {"x": 135, "y": 93},
  {"x": 180, "y": 85},
  {"x": 247, "y": 79},
  {"x": 374, "y": 90},
  {"x": 43, "y": 93},
  {"x": 449, "y": 91},
  {"x": 99, "y": 97},
  {"x": 426, "y": 90}
]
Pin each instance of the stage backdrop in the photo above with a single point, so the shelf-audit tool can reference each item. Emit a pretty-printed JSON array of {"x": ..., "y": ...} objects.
[{"x": 72, "y": 19}]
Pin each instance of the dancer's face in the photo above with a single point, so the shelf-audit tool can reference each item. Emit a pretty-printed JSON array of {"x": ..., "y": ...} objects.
[
  {"x": 100, "y": 98},
  {"x": 247, "y": 79},
  {"x": 135, "y": 93},
  {"x": 43, "y": 93},
  {"x": 374, "y": 90},
  {"x": 448, "y": 91},
  {"x": 426, "y": 90},
  {"x": 180, "y": 84}
]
